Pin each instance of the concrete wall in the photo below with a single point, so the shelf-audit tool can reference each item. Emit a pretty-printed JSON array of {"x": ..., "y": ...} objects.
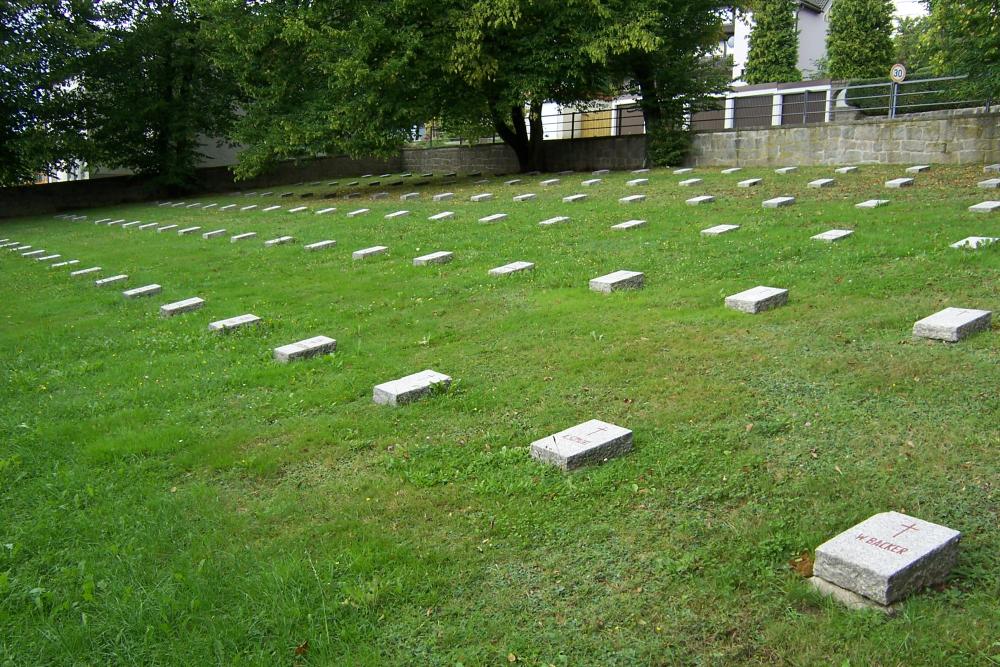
[{"x": 947, "y": 137}]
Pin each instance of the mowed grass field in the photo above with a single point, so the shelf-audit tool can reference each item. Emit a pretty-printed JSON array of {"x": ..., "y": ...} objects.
[{"x": 174, "y": 496}]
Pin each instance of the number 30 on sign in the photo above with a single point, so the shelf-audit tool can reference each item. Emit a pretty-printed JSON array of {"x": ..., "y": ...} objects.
[{"x": 897, "y": 73}]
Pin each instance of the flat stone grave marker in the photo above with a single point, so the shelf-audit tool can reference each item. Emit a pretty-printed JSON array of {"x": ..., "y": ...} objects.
[
  {"x": 444, "y": 215},
  {"x": 320, "y": 245},
  {"x": 352, "y": 195},
  {"x": 513, "y": 181},
  {"x": 635, "y": 182},
  {"x": 685, "y": 170},
  {"x": 128, "y": 225},
  {"x": 786, "y": 170},
  {"x": 590, "y": 181},
  {"x": 888, "y": 556},
  {"x": 165, "y": 228},
  {"x": 550, "y": 181},
  {"x": 194, "y": 205},
  {"x": 482, "y": 181},
  {"x": 180, "y": 203},
  {"x": 428, "y": 174},
  {"x": 822, "y": 183},
  {"x": 450, "y": 174},
  {"x": 271, "y": 208},
  {"x": 749, "y": 183},
  {"x": 896, "y": 183},
  {"x": 396, "y": 214},
  {"x": 758, "y": 299},
  {"x": 690, "y": 182},
  {"x": 310, "y": 347},
  {"x": 145, "y": 290},
  {"x": 187, "y": 230},
  {"x": 212, "y": 234},
  {"x": 439, "y": 257},
  {"x": 617, "y": 280},
  {"x": 632, "y": 199},
  {"x": 9, "y": 244},
  {"x": 990, "y": 183},
  {"x": 640, "y": 171},
  {"x": 513, "y": 267},
  {"x": 985, "y": 207},
  {"x": 364, "y": 253},
  {"x": 554, "y": 221},
  {"x": 286, "y": 194},
  {"x": 573, "y": 198},
  {"x": 496, "y": 217},
  {"x": 120, "y": 278},
  {"x": 952, "y": 324},
  {"x": 232, "y": 323},
  {"x": 629, "y": 224},
  {"x": 298, "y": 209},
  {"x": 778, "y": 202},
  {"x": 250, "y": 194},
  {"x": 249, "y": 208},
  {"x": 974, "y": 242},
  {"x": 324, "y": 211},
  {"x": 360, "y": 211},
  {"x": 353, "y": 184},
  {"x": 833, "y": 235},
  {"x": 116, "y": 222},
  {"x": 992, "y": 169},
  {"x": 917, "y": 168},
  {"x": 20, "y": 248},
  {"x": 385, "y": 175},
  {"x": 525, "y": 197},
  {"x": 845, "y": 170},
  {"x": 444, "y": 196},
  {"x": 409, "y": 195},
  {"x": 410, "y": 388},
  {"x": 227, "y": 207},
  {"x": 732, "y": 170},
  {"x": 331, "y": 184},
  {"x": 564, "y": 172},
  {"x": 872, "y": 203},
  {"x": 600, "y": 172},
  {"x": 486, "y": 196},
  {"x": 281, "y": 240},
  {"x": 33, "y": 253},
  {"x": 702, "y": 199},
  {"x": 380, "y": 195},
  {"x": 366, "y": 175},
  {"x": 584, "y": 443},
  {"x": 242, "y": 237},
  {"x": 85, "y": 272},
  {"x": 69, "y": 262},
  {"x": 47, "y": 258},
  {"x": 207, "y": 206}
]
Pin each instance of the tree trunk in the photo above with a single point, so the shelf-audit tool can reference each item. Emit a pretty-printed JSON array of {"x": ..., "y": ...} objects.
[
  {"x": 529, "y": 150},
  {"x": 652, "y": 115}
]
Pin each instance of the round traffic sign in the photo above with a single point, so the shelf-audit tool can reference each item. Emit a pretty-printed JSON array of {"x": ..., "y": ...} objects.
[{"x": 898, "y": 73}]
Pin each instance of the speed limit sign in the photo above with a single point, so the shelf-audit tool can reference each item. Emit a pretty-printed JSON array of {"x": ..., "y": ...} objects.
[{"x": 898, "y": 73}]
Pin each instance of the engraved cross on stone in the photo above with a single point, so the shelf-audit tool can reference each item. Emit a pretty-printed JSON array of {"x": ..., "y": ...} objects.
[
  {"x": 906, "y": 528},
  {"x": 597, "y": 430}
]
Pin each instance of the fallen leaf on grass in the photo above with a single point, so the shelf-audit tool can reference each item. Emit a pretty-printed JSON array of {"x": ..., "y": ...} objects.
[{"x": 802, "y": 565}]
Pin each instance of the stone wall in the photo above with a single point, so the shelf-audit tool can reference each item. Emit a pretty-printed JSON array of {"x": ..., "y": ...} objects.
[{"x": 949, "y": 137}]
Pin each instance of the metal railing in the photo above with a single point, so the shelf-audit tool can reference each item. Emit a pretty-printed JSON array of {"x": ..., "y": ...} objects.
[{"x": 784, "y": 105}]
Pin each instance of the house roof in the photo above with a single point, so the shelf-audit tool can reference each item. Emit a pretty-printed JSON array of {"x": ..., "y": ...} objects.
[{"x": 817, "y": 5}]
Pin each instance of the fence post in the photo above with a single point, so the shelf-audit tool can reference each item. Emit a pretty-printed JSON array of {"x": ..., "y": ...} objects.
[
  {"x": 572, "y": 127},
  {"x": 893, "y": 90}
]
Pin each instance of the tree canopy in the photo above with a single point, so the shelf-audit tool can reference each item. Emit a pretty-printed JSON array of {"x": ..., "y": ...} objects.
[
  {"x": 774, "y": 43},
  {"x": 859, "y": 40}
]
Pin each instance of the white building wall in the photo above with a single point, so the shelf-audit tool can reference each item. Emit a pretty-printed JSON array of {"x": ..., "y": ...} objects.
[{"x": 813, "y": 26}]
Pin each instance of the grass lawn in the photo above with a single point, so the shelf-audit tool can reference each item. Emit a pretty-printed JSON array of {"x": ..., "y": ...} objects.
[{"x": 173, "y": 496}]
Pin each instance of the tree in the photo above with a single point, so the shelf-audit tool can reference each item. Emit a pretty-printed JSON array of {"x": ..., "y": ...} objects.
[
  {"x": 911, "y": 45},
  {"x": 859, "y": 40},
  {"x": 774, "y": 43},
  {"x": 148, "y": 92},
  {"x": 965, "y": 37},
  {"x": 39, "y": 49}
]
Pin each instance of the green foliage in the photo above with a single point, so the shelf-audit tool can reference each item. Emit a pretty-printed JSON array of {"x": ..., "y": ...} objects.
[
  {"x": 914, "y": 96},
  {"x": 668, "y": 145},
  {"x": 965, "y": 38},
  {"x": 774, "y": 43},
  {"x": 912, "y": 45},
  {"x": 859, "y": 40},
  {"x": 173, "y": 497}
]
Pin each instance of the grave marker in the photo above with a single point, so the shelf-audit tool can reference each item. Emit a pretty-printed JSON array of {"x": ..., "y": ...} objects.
[
  {"x": 899, "y": 183},
  {"x": 992, "y": 169},
  {"x": 128, "y": 225},
  {"x": 758, "y": 299},
  {"x": 281, "y": 240},
  {"x": 486, "y": 196},
  {"x": 207, "y": 206},
  {"x": 496, "y": 217},
  {"x": 548, "y": 182},
  {"x": 952, "y": 324},
  {"x": 918, "y": 168},
  {"x": 249, "y": 208},
  {"x": 409, "y": 388},
  {"x": 833, "y": 235},
  {"x": 364, "y": 253},
  {"x": 513, "y": 181},
  {"x": 732, "y": 170},
  {"x": 617, "y": 280},
  {"x": 227, "y": 207},
  {"x": 187, "y": 230},
  {"x": 111, "y": 280},
  {"x": 409, "y": 195},
  {"x": 554, "y": 221},
  {"x": 513, "y": 267},
  {"x": 360, "y": 211},
  {"x": 242, "y": 237},
  {"x": 165, "y": 228},
  {"x": 116, "y": 222},
  {"x": 749, "y": 183},
  {"x": 147, "y": 290},
  {"x": 786, "y": 170},
  {"x": 212, "y": 234},
  {"x": 703, "y": 199},
  {"x": 70, "y": 262},
  {"x": 985, "y": 207},
  {"x": 396, "y": 214},
  {"x": 974, "y": 242},
  {"x": 310, "y": 347},
  {"x": 380, "y": 195},
  {"x": 990, "y": 183},
  {"x": 525, "y": 197},
  {"x": 298, "y": 209},
  {"x": 47, "y": 258},
  {"x": 85, "y": 272},
  {"x": 845, "y": 170},
  {"x": 270, "y": 208},
  {"x": 194, "y": 205},
  {"x": 640, "y": 171},
  {"x": 690, "y": 182},
  {"x": 629, "y": 224},
  {"x": 888, "y": 556},
  {"x": 439, "y": 257},
  {"x": 232, "y": 323},
  {"x": 32, "y": 253},
  {"x": 600, "y": 172},
  {"x": 685, "y": 170},
  {"x": 320, "y": 245},
  {"x": 635, "y": 182},
  {"x": 872, "y": 203},
  {"x": 324, "y": 211},
  {"x": 444, "y": 215},
  {"x": 573, "y": 198},
  {"x": 584, "y": 443},
  {"x": 778, "y": 202},
  {"x": 822, "y": 183},
  {"x": 590, "y": 182},
  {"x": 632, "y": 199},
  {"x": 444, "y": 196}
]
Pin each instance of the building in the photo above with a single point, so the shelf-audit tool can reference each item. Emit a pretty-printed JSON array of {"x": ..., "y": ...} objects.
[{"x": 811, "y": 19}]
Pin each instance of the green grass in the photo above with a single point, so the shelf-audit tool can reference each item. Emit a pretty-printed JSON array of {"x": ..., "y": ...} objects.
[{"x": 171, "y": 496}]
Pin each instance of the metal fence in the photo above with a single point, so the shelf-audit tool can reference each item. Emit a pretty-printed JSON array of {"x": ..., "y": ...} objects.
[{"x": 783, "y": 105}]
